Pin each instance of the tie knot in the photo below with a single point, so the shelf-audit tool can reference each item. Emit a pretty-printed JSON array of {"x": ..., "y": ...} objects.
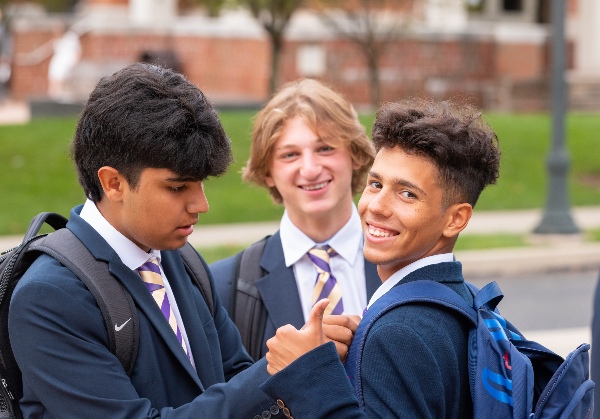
[
  {"x": 322, "y": 250},
  {"x": 319, "y": 255},
  {"x": 150, "y": 273},
  {"x": 151, "y": 265}
]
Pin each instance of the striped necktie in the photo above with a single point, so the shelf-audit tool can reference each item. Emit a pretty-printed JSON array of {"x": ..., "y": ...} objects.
[
  {"x": 150, "y": 273},
  {"x": 326, "y": 286}
]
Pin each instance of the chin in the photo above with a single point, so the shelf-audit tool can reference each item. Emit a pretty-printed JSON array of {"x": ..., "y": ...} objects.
[
  {"x": 373, "y": 256},
  {"x": 172, "y": 245}
]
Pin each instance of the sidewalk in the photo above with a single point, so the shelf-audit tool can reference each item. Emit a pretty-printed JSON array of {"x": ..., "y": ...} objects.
[{"x": 13, "y": 112}]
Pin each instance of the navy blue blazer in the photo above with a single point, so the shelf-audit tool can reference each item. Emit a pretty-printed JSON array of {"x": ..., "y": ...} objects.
[
  {"x": 277, "y": 288},
  {"x": 415, "y": 358},
  {"x": 60, "y": 343},
  {"x": 414, "y": 362}
]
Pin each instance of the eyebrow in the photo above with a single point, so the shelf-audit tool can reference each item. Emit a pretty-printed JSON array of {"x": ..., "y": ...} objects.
[
  {"x": 182, "y": 179},
  {"x": 286, "y": 146},
  {"x": 399, "y": 182}
]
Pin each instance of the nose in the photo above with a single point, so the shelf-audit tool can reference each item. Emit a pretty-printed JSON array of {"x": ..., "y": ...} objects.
[
  {"x": 380, "y": 204},
  {"x": 198, "y": 202},
  {"x": 310, "y": 166}
]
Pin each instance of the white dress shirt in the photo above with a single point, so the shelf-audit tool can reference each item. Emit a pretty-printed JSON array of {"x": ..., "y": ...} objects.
[
  {"x": 401, "y": 274},
  {"x": 348, "y": 266},
  {"x": 131, "y": 255}
]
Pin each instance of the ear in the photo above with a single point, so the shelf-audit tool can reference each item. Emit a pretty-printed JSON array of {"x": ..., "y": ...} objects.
[
  {"x": 113, "y": 183},
  {"x": 458, "y": 218},
  {"x": 269, "y": 181}
]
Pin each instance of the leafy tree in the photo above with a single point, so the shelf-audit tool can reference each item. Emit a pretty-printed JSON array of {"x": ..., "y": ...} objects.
[
  {"x": 274, "y": 16},
  {"x": 371, "y": 25}
]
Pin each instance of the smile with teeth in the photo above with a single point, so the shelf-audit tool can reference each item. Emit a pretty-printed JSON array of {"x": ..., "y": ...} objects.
[
  {"x": 315, "y": 187},
  {"x": 378, "y": 232}
]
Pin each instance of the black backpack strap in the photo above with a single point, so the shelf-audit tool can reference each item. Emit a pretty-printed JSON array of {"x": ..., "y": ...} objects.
[
  {"x": 198, "y": 271},
  {"x": 116, "y": 304},
  {"x": 55, "y": 220},
  {"x": 247, "y": 309}
]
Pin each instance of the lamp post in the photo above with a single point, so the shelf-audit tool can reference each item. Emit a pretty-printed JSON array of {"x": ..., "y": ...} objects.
[{"x": 557, "y": 217}]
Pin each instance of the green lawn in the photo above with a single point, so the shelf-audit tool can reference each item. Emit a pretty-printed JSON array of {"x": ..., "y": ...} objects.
[{"x": 37, "y": 174}]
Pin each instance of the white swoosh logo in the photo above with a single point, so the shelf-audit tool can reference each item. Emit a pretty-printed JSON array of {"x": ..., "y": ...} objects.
[{"x": 118, "y": 328}]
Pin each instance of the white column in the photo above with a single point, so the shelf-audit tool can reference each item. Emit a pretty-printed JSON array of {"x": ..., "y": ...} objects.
[
  {"x": 587, "y": 36},
  {"x": 152, "y": 12},
  {"x": 445, "y": 14}
]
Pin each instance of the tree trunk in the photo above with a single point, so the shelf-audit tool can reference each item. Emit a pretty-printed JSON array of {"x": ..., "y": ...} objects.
[{"x": 374, "y": 79}]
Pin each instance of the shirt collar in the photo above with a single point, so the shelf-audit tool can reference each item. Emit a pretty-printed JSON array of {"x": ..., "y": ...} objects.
[
  {"x": 346, "y": 242},
  {"x": 131, "y": 255},
  {"x": 402, "y": 273}
]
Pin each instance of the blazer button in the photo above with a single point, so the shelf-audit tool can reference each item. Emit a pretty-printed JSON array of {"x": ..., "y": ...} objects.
[
  {"x": 274, "y": 409},
  {"x": 257, "y": 417}
]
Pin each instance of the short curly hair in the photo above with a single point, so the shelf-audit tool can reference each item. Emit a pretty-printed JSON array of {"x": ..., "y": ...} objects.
[
  {"x": 455, "y": 138},
  {"x": 328, "y": 114}
]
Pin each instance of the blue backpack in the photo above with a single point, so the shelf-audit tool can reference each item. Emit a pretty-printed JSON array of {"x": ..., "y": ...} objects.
[{"x": 510, "y": 376}]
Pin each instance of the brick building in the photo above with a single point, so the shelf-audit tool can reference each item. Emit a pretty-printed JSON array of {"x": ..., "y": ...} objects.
[{"x": 496, "y": 55}]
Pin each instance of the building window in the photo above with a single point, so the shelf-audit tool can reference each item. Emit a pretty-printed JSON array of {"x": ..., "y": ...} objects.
[
  {"x": 311, "y": 61},
  {"x": 512, "y": 5}
]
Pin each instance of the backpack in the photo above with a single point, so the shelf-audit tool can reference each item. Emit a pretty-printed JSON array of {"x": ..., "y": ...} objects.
[
  {"x": 510, "y": 377},
  {"x": 114, "y": 301},
  {"x": 247, "y": 310}
]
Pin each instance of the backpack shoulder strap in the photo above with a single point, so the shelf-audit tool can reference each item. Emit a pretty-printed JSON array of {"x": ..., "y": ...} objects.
[
  {"x": 197, "y": 270},
  {"x": 422, "y": 291},
  {"x": 247, "y": 309},
  {"x": 116, "y": 304}
]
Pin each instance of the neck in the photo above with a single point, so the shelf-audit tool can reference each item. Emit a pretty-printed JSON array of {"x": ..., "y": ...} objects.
[{"x": 321, "y": 228}]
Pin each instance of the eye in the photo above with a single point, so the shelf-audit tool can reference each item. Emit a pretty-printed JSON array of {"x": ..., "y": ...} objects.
[
  {"x": 177, "y": 188},
  {"x": 374, "y": 184},
  {"x": 326, "y": 149},
  {"x": 289, "y": 155},
  {"x": 408, "y": 194}
]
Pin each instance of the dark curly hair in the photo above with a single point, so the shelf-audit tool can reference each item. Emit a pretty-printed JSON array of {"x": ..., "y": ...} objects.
[
  {"x": 455, "y": 138},
  {"x": 145, "y": 116}
]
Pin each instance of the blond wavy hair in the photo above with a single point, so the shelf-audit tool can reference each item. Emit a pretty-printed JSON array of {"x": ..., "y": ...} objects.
[{"x": 326, "y": 112}]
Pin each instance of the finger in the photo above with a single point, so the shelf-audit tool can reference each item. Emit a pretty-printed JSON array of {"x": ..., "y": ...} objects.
[
  {"x": 355, "y": 319},
  {"x": 342, "y": 351},
  {"x": 271, "y": 370},
  {"x": 348, "y": 321},
  {"x": 315, "y": 318},
  {"x": 338, "y": 333}
]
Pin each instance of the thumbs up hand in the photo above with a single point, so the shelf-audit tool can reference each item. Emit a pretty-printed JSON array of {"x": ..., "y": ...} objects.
[
  {"x": 289, "y": 344},
  {"x": 340, "y": 329}
]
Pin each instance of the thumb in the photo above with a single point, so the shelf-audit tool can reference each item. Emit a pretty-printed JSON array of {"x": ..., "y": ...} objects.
[{"x": 315, "y": 318}]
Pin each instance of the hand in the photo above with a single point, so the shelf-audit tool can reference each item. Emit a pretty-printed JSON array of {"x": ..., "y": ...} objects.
[
  {"x": 340, "y": 329},
  {"x": 289, "y": 344}
]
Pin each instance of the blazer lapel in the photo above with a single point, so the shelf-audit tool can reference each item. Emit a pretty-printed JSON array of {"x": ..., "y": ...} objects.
[
  {"x": 144, "y": 301},
  {"x": 278, "y": 288},
  {"x": 133, "y": 284},
  {"x": 183, "y": 291}
]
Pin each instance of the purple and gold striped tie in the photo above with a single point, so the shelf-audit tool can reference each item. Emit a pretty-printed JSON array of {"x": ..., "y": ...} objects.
[
  {"x": 326, "y": 285},
  {"x": 150, "y": 273}
]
